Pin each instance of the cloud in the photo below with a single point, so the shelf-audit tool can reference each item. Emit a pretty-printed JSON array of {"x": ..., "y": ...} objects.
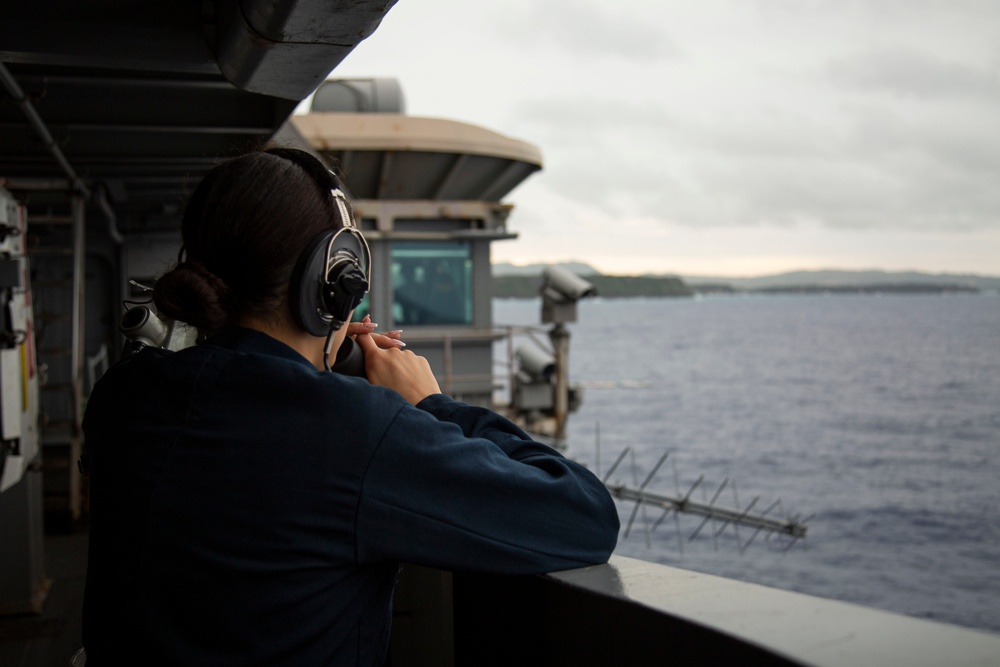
[
  {"x": 911, "y": 73},
  {"x": 895, "y": 139},
  {"x": 589, "y": 29},
  {"x": 870, "y": 167},
  {"x": 674, "y": 119}
]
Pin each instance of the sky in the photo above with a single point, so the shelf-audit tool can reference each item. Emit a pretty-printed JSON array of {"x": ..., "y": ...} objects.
[{"x": 724, "y": 137}]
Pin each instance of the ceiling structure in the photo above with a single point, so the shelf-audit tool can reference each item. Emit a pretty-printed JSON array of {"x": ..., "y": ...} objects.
[
  {"x": 392, "y": 156},
  {"x": 136, "y": 100}
]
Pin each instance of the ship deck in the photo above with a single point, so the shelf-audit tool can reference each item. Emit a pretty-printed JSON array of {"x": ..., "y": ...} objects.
[{"x": 49, "y": 639}]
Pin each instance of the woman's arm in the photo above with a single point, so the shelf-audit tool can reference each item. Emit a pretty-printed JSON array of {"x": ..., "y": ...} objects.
[{"x": 459, "y": 487}]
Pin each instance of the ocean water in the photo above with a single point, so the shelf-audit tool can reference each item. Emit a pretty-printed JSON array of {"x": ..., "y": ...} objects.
[{"x": 878, "y": 416}]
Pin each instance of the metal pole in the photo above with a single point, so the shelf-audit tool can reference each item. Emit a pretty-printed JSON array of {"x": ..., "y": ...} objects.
[
  {"x": 447, "y": 365},
  {"x": 77, "y": 351},
  {"x": 510, "y": 366},
  {"x": 559, "y": 335}
]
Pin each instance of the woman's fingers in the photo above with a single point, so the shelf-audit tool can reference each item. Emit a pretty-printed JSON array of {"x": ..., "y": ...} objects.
[
  {"x": 402, "y": 370},
  {"x": 385, "y": 341},
  {"x": 363, "y": 327},
  {"x": 366, "y": 326}
]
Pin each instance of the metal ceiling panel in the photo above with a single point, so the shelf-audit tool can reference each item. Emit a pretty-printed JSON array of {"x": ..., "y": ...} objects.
[{"x": 142, "y": 97}]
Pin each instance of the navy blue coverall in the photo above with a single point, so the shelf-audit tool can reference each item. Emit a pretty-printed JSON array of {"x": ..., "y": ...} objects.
[{"x": 247, "y": 509}]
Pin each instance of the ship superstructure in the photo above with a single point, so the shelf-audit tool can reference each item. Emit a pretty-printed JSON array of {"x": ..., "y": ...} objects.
[
  {"x": 428, "y": 194},
  {"x": 109, "y": 113}
]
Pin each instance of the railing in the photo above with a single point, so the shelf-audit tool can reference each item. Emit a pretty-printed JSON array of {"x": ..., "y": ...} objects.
[{"x": 630, "y": 612}]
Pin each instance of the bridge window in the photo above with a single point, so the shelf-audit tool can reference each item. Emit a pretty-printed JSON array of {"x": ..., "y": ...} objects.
[{"x": 432, "y": 283}]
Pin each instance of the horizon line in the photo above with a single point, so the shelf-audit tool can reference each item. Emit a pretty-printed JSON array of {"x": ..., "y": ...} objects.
[{"x": 745, "y": 276}]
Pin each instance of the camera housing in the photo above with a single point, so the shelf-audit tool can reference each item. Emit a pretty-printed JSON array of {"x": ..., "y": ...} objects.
[
  {"x": 533, "y": 389},
  {"x": 538, "y": 364},
  {"x": 564, "y": 284},
  {"x": 142, "y": 326},
  {"x": 561, "y": 289}
]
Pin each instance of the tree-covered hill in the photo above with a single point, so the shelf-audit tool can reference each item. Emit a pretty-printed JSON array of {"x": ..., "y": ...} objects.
[
  {"x": 526, "y": 287},
  {"x": 511, "y": 281}
]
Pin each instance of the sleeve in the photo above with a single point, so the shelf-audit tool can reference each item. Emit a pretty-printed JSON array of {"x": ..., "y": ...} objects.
[{"x": 459, "y": 487}]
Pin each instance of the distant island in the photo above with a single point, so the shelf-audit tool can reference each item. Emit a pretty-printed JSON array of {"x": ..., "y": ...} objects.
[
  {"x": 511, "y": 281},
  {"x": 526, "y": 286}
]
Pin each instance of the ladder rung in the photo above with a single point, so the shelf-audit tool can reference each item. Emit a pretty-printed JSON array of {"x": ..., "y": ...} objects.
[
  {"x": 59, "y": 424},
  {"x": 54, "y": 317},
  {"x": 53, "y": 463},
  {"x": 50, "y": 220},
  {"x": 55, "y": 502},
  {"x": 51, "y": 250}
]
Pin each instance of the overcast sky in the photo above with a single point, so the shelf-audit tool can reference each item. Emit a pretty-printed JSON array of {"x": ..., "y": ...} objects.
[{"x": 724, "y": 137}]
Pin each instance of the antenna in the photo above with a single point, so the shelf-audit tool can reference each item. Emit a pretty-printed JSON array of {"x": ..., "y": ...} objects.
[{"x": 761, "y": 521}]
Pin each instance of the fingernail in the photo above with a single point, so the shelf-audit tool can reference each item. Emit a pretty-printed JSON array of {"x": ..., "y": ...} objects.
[
  {"x": 395, "y": 332},
  {"x": 398, "y": 343}
]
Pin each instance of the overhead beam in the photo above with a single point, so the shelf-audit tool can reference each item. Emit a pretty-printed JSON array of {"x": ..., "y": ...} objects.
[
  {"x": 287, "y": 49},
  {"x": 141, "y": 36}
]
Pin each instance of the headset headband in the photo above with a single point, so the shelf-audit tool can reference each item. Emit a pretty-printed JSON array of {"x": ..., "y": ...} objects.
[{"x": 348, "y": 225}]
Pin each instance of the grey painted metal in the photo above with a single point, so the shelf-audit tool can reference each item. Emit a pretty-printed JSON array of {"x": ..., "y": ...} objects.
[
  {"x": 803, "y": 628},
  {"x": 371, "y": 95},
  {"x": 391, "y": 157},
  {"x": 505, "y": 181},
  {"x": 287, "y": 48},
  {"x": 449, "y": 178},
  {"x": 422, "y": 619},
  {"x": 482, "y": 280},
  {"x": 469, "y": 235},
  {"x": 23, "y": 584},
  {"x": 136, "y": 95},
  {"x": 559, "y": 335},
  {"x": 684, "y": 504},
  {"x": 43, "y": 132},
  {"x": 384, "y": 174},
  {"x": 490, "y": 216},
  {"x": 631, "y": 612},
  {"x": 77, "y": 351}
]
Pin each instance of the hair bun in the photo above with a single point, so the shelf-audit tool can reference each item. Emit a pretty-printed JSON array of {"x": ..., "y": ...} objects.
[{"x": 192, "y": 294}]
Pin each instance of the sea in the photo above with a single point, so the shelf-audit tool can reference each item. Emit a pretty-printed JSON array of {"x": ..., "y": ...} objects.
[{"x": 873, "y": 418}]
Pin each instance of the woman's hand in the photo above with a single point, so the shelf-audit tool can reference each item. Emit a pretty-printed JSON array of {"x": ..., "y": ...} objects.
[
  {"x": 384, "y": 341},
  {"x": 398, "y": 369}
]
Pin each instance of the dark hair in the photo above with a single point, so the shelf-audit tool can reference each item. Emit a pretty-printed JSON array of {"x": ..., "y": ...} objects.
[{"x": 244, "y": 228}]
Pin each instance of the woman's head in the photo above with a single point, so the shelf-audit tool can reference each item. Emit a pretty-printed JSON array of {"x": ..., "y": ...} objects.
[{"x": 244, "y": 228}]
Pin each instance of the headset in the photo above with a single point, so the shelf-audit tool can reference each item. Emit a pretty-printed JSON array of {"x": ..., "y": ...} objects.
[{"x": 332, "y": 276}]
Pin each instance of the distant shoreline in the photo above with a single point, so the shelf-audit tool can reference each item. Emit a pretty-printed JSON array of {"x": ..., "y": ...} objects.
[
  {"x": 894, "y": 288},
  {"x": 524, "y": 282},
  {"x": 615, "y": 287}
]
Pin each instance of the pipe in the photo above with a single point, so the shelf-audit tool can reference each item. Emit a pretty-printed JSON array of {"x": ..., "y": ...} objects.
[
  {"x": 102, "y": 203},
  {"x": 43, "y": 132},
  {"x": 76, "y": 183},
  {"x": 35, "y": 183}
]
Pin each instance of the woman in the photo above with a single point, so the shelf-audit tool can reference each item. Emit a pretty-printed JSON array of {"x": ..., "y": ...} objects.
[{"x": 249, "y": 507}]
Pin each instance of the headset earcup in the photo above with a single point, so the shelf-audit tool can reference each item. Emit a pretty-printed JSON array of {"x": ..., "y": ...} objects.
[
  {"x": 306, "y": 289},
  {"x": 345, "y": 287}
]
